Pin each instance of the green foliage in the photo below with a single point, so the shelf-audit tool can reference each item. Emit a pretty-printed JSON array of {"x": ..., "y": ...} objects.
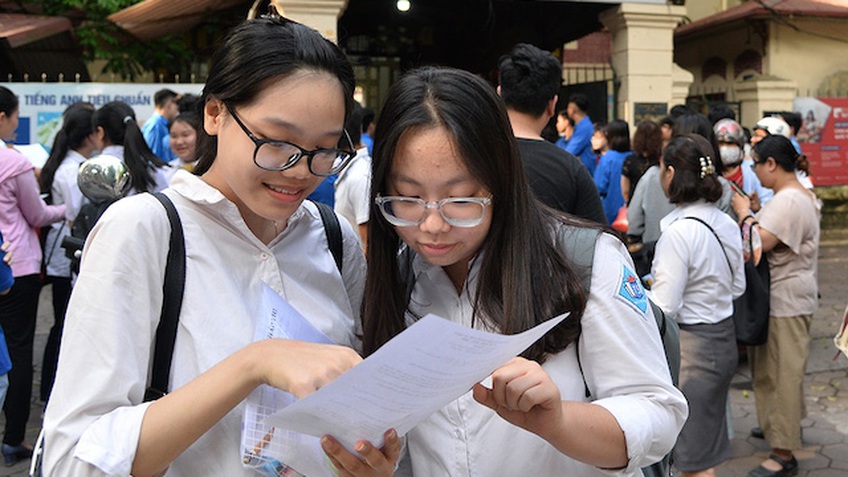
[{"x": 101, "y": 39}]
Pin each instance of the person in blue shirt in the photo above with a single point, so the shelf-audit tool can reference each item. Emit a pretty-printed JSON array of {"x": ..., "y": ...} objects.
[
  {"x": 608, "y": 173},
  {"x": 565, "y": 129},
  {"x": 155, "y": 129},
  {"x": 6, "y": 282},
  {"x": 325, "y": 192},
  {"x": 580, "y": 143}
]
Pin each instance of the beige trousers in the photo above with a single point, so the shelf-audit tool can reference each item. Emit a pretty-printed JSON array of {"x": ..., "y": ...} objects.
[{"x": 778, "y": 371}]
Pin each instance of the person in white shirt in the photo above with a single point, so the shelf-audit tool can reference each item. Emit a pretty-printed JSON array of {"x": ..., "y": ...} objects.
[
  {"x": 245, "y": 223},
  {"x": 74, "y": 144},
  {"x": 117, "y": 134},
  {"x": 698, "y": 272},
  {"x": 448, "y": 183},
  {"x": 353, "y": 184}
]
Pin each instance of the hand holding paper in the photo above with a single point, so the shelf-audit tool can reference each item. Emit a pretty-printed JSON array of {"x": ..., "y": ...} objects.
[
  {"x": 523, "y": 394},
  {"x": 418, "y": 372}
]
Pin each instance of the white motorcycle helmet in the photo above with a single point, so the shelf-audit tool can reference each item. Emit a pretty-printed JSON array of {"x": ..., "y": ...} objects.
[{"x": 774, "y": 126}]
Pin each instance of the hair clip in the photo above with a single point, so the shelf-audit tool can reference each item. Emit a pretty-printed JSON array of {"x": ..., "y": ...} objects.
[
  {"x": 127, "y": 119},
  {"x": 272, "y": 12},
  {"x": 706, "y": 166}
]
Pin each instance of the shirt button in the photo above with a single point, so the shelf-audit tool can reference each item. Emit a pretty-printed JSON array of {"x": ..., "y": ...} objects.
[
  {"x": 263, "y": 256},
  {"x": 458, "y": 434}
]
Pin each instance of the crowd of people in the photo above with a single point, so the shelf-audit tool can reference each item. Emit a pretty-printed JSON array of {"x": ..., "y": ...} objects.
[{"x": 454, "y": 204}]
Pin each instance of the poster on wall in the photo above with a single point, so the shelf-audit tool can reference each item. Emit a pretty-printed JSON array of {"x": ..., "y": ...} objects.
[
  {"x": 824, "y": 138},
  {"x": 41, "y": 104}
]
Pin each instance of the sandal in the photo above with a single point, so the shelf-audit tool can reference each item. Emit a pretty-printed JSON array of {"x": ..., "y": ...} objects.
[{"x": 788, "y": 468}]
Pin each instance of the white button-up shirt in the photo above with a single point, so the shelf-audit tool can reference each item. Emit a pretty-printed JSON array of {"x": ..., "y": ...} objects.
[
  {"x": 623, "y": 363},
  {"x": 64, "y": 191},
  {"x": 353, "y": 186},
  {"x": 692, "y": 279},
  {"x": 94, "y": 416}
]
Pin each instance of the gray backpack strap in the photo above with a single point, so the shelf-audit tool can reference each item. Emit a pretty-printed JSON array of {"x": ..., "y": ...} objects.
[{"x": 578, "y": 246}]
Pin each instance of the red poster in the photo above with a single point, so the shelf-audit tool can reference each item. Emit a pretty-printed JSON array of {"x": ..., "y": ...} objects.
[{"x": 824, "y": 138}]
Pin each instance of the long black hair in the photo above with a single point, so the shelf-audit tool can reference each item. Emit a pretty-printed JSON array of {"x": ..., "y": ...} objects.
[
  {"x": 118, "y": 122},
  {"x": 258, "y": 51},
  {"x": 76, "y": 128},
  {"x": 524, "y": 280}
]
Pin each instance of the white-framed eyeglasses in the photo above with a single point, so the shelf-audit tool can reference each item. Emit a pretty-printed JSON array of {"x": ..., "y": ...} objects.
[{"x": 456, "y": 211}]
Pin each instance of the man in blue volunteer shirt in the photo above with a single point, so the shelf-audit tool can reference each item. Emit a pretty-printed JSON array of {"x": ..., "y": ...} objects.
[
  {"x": 155, "y": 129},
  {"x": 580, "y": 143}
]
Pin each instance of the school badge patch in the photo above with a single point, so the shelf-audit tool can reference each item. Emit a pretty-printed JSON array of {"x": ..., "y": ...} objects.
[{"x": 630, "y": 291}]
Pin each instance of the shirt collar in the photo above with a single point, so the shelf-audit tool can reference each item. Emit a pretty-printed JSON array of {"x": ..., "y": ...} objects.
[
  {"x": 117, "y": 151},
  {"x": 75, "y": 156},
  {"x": 195, "y": 189},
  {"x": 683, "y": 210}
]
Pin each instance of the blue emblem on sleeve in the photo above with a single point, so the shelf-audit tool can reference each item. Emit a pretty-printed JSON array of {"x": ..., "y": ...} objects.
[{"x": 630, "y": 291}]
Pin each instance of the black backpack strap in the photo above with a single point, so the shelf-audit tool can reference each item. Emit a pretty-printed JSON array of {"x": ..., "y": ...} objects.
[
  {"x": 333, "y": 231},
  {"x": 173, "y": 288}
]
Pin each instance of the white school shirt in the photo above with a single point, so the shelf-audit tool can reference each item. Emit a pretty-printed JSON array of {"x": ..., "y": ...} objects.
[
  {"x": 93, "y": 420},
  {"x": 64, "y": 191},
  {"x": 692, "y": 279},
  {"x": 623, "y": 363},
  {"x": 353, "y": 190}
]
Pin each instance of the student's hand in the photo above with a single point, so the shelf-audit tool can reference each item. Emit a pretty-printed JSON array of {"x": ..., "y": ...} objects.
[
  {"x": 370, "y": 461},
  {"x": 7, "y": 257},
  {"x": 524, "y": 395},
  {"x": 741, "y": 205},
  {"x": 299, "y": 367}
]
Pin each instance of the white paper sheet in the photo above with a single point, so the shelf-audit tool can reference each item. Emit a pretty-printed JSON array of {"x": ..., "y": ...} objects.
[
  {"x": 265, "y": 448},
  {"x": 430, "y": 364},
  {"x": 36, "y": 153}
]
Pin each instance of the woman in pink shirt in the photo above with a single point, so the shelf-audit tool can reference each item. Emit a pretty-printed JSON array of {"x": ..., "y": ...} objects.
[{"x": 21, "y": 209}]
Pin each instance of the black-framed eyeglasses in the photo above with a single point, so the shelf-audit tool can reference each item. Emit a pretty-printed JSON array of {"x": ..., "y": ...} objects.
[
  {"x": 273, "y": 155},
  {"x": 755, "y": 163},
  {"x": 456, "y": 211}
]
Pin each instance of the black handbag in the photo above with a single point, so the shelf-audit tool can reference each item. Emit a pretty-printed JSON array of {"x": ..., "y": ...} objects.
[{"x": 751, "y": 310}]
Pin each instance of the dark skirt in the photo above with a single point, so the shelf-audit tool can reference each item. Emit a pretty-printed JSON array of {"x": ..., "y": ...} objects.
[{"x": 708, "y": 358}]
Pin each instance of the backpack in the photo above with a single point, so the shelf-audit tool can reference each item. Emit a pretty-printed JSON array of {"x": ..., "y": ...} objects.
[
  {"x": 88, "y": 215},
  {"x": 578, "y": 246},
  {"x": 174, "y": 283}
]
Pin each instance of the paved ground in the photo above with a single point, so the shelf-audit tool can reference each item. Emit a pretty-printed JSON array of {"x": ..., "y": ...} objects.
[{"x": 825, "y": 430}]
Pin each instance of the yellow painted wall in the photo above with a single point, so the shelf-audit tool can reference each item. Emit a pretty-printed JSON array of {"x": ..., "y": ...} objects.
[
  {"x": 808, "y": 59},
  {"x": 725, "y": 43}
]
